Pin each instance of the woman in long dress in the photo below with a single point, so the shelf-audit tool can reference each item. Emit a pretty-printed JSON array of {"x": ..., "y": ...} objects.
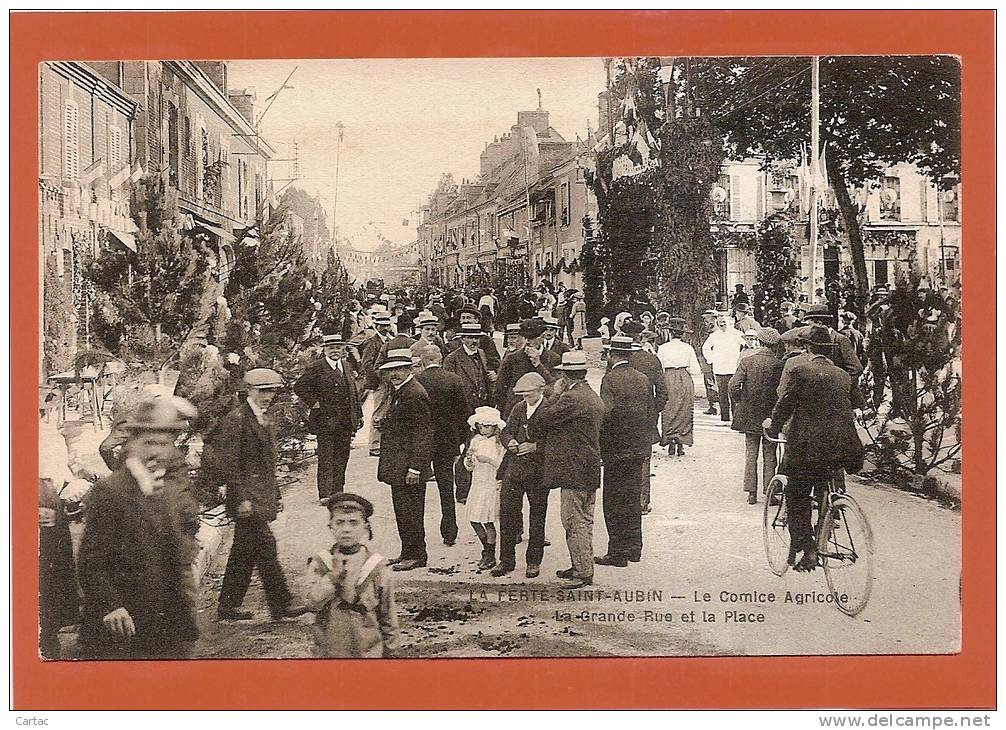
[
  {"x": 578, "y": 314},
  {"x": 680, "y": 366}
]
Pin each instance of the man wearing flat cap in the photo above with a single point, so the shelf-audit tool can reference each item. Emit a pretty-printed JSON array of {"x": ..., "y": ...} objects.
[
  {"x": 753, "y": 392},
  {"x": 821, "y": 438},
  {"x": 571, "y": 431},
  {"x": 521, "y": 474},
  {"x": 134, "y": 567},
  {"x": 534, "y": 357},
  {"x": 328, "y": 389},
  {"x": 247, "y": 456}
]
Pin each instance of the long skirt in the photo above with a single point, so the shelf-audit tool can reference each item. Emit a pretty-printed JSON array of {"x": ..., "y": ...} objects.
[{"x": 678, "y": 416}]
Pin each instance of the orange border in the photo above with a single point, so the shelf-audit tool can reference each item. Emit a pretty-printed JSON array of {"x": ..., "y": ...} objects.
[{"x": 964, "y": 680}]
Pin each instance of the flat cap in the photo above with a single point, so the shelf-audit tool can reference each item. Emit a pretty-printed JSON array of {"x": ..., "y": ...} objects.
[
  {"x": 263, "y": 379},
  {"x": 528, "y": 383},
  {"x": 349, "y": 502},
  {"x": 769, "y": 336}
]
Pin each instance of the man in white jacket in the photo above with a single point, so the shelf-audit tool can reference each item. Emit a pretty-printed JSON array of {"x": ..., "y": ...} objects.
[{"x": 722, "y": 350}]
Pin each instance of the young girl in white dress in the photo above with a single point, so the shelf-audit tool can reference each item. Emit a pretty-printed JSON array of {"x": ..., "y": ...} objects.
[{"x": 483, "y": 458}]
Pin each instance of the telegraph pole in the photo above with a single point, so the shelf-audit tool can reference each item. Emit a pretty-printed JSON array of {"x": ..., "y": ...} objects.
[
  {"x": 338, "y": 151},
  {"x": 815, "y": 170}
]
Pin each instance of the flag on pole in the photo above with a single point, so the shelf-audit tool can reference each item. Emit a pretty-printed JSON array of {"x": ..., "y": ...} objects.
[
  {"x": 93, "y": 171},
  {"x": 119, "y": 177},
  {"x": 137, "y": 172}
]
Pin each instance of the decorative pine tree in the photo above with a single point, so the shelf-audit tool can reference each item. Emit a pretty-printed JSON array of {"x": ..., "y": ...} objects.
[
  {"x": 148, "y": 304},
  {"x": 775, "y": 264}
]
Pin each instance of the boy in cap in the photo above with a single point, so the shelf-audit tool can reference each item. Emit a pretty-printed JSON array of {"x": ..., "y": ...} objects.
[
  {"x": 351, "y": 590},
  {"x": 247, "y": 454},
  {"x": 133, "y": 567},
  {"x": 328, "y": 388}
]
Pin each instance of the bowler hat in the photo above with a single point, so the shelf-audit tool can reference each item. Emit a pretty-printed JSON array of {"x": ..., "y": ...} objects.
[
  {"x": 633, "y": 328},
  {"x": 160, "y": 414},
  {"x": 677, "y": 324},
  {"x": 574, "y": 360},
  {"x": 532, "y": 328},
  {"x": 528, "y": 383},
  {"x": 349, "y": 502},
  {"x": 398, "y": 358},
  {"x": 470, "y": 309},
  {"x": 768, "y": 336},
  {"x": 263, "y": 379}
]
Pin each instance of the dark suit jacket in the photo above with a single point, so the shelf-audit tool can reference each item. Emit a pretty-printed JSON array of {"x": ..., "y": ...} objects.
[
  {"x": 559, "y": 347},
  {"x": 448, "y": 406},
  {"x": 526, "y": 469},
  {"x": 649, "y": 365},
  {"x": 331, "y": 396},
  {"x": 822, "y": 437},
  {"x": 473, "y": 371},
  {"x": 132, "y": 556},
  {"x": 627, "y": 429},
  {"x": 571, "y": 428},
  {"x": 369, "y": 352},
  {"x": 753, "y": 389},
  {"x": 405, "y": 435},
  {"x": 512, "y": 368},
  {"x": 247, "y": 459}
]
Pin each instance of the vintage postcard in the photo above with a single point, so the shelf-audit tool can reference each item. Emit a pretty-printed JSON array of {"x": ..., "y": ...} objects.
[{"x": 521, "y": 355}]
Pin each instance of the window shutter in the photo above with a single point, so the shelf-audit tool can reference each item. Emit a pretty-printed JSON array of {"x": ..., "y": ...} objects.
[
  {"x": 114, "y": 149},
  {"x": 71, "y": 139},
  {"x": 735, "y": 198}
]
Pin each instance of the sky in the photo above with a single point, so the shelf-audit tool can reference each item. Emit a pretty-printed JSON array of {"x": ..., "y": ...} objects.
[{"x": 406, "y": 121}]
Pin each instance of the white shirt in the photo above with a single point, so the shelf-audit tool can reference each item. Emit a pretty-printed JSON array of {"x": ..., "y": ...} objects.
[
  {"x": 399, "y": 387},
  {"x": 259, "y": 414},
  {"x": 678, "y": 354},
  {"x": 722, "y": 350},
  {"x": 334, "y": 364},
  {"x": 531, "y": 409}
]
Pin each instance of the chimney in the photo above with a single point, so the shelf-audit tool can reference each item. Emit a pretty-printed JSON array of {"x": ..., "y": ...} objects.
[
  {"x": 217, "y": 73},
  {"x": 537, "y": 120},
  {"x": 244, "y": 101},
  {"x": 604, "y": 99}
]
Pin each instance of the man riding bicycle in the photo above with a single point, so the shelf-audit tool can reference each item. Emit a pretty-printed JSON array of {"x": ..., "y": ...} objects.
[{"x": 816, "y": 400}]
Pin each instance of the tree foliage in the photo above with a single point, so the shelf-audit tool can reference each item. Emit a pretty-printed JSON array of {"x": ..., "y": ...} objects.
[
  {"x": 776, "y": 265},
  {"x": 875, "y": 111},
  {"x": 148, "y": 304}
]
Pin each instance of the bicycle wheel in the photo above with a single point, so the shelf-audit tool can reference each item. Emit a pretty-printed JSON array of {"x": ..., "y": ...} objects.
[
  {"x": 845, "y": 547},
  {"x": 776, "y": 526}
]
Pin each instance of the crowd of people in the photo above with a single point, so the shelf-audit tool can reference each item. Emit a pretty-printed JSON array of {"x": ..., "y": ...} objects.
[{"x": 491, "y": 429}]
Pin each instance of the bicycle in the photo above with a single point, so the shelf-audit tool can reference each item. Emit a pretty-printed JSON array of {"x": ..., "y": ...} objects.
[{"x": 841, "y": 530}]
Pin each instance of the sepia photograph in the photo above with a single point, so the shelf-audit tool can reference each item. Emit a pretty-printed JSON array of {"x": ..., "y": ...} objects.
[{"x": 499, "y": 357}]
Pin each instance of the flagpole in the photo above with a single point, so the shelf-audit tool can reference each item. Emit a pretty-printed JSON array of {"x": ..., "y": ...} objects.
[
  {"x": 527, "y": 203},
  {"x": 815, "y": 171}
]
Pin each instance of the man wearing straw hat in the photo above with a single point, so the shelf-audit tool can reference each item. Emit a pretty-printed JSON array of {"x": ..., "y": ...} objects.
[
  {"x": 406, "y": 456},
  {"x": 571, "y": 428},
  {"x": 133, "y": 565},
  {"x": 469, "y": 362},
  {"x": 247, "y": 453},
  {"x": 428, "y": 327},
  {"x": 328, "y": 388},
  {"x": 626, "y": 437}
]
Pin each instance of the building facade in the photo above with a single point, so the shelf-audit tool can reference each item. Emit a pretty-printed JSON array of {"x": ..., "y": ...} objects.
[{"x": 86, "y": 145}]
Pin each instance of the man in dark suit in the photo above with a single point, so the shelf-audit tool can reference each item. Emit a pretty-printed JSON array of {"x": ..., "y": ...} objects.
[
  {"x": 406, "y": 455},
  {"x": 816, "y": 401},
  {"x": 247, "y": 457},
  {"x": 468, "y": 314},
  {"x": 133, "y": 561},
  {"x": 550, "y": 341},
  {"x": 521, "y": 473},
  {"x": 533, "y": 357},
  {"x": 449, "y": 410},
  {"x": 571, "y": 429},
  {"x": 625, "y": 443},
  {"x": 649, "y": 365},
  {"x": 469, "y": 362},
  {"x": 328, "y": 388},
  {"x": 753, "y": 393},
  {"x": 369, "y": 359}
]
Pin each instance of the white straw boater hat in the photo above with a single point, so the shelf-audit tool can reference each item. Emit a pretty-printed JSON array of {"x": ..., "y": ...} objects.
[
  {"x": 397, "y": 359},
  {"x": 486, "y": 416}
]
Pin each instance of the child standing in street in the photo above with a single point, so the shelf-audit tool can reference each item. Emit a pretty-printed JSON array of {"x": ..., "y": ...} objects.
[
  {"x": 485, "y": 453},
  {"x": 351, "y": 591}
]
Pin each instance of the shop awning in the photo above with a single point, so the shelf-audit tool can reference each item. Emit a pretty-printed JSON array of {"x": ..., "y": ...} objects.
[{"x": 123, "y": 239}]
